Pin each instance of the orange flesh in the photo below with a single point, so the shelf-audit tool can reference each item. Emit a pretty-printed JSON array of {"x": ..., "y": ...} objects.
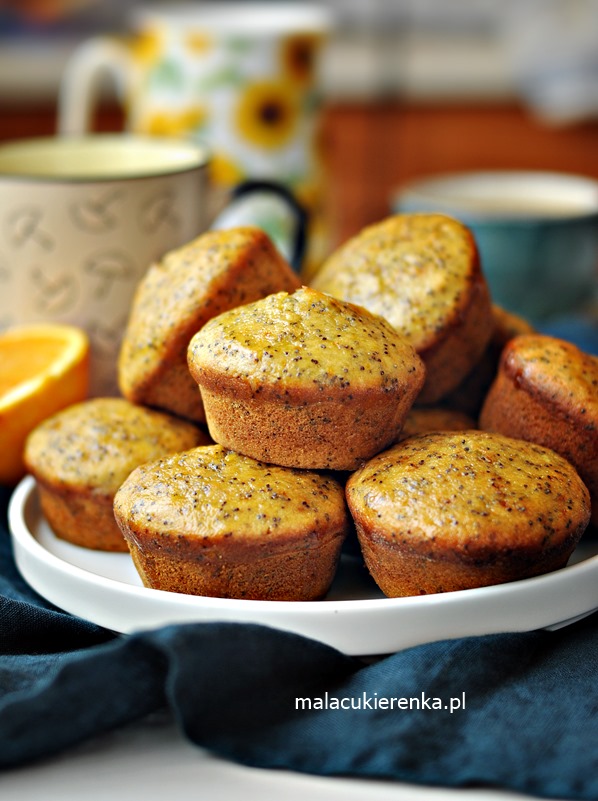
[{"x": 23, "y": 359}]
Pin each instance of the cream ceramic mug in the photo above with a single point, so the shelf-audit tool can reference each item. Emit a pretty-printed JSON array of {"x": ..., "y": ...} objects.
[
  {"x": 243, "y": 78},
  {"x": 82, "y": 218}
]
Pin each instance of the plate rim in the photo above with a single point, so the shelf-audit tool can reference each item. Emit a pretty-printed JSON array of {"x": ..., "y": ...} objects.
[{"x": 26, "y": 493}]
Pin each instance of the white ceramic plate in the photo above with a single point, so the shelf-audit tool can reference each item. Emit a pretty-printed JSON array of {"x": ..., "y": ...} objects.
[{"x": 354, "y": 618}]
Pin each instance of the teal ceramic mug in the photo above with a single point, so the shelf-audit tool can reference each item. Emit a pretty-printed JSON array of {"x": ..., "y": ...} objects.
[{"x": 537, "y": 233}]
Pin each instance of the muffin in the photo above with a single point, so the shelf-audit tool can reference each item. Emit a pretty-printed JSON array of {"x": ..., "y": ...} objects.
[
  {"x": 304, "y": 380},
  {"x": 421, "y": 272},
  {"x": 81, "y": 456},
  {"x": 507, "y": 326},
  {"x": 469, "y": 396},
  {"x": 546, "y": 391},
  {"x": 423, "y": 419},
  {"x": 451, "y": 511},
  {"x": 213, "y": 522},
  {"x": 217, "y": 271}
]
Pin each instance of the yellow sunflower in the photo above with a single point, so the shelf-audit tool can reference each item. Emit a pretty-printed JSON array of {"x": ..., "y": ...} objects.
[
  {"x": 198, "y": 43},
  {"x": 299, "y": 56},
  {"x": 148, "y": 46},
  {"x": 224, "y": 171},
  {"x": 267, "y": 113},
  {"x": 174, "y": 123}
]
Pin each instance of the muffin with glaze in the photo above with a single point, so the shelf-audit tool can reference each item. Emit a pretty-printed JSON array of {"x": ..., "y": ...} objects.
[
  {"x": 304, "y": 380},
  {"x": 217, "y": 271},
  {"x": 421, "y": 272},
  {"x": 81, "y": 456},
  {"x": 213, "y": 522},
  {"x": 451, "y": 511},
  {"x": 546, "y": 391}
]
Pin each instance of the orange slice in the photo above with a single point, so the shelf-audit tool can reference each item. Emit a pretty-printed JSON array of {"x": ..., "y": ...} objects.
[{"x": 43, "y": 368}]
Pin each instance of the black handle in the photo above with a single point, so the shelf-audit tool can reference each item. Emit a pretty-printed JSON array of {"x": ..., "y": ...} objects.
[{"x": 299, "y": 244}]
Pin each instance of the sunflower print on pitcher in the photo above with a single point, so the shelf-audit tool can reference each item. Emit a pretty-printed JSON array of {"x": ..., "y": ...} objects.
[
  {"x": 175, "y": 122},
  {"x": 252, "y": 98},
  {"x": 267, "y": 113},
  {"x": 147, "y": 48}
]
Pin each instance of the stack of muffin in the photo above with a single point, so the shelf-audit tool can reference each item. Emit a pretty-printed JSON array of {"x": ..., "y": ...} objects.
[{"x": 389, "y": 398}]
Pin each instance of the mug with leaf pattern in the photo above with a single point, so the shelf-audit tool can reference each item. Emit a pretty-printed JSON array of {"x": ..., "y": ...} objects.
[{"x": 82, "y": 219}]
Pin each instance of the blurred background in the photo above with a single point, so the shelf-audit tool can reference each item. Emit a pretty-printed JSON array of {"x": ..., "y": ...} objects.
[{"x": 410, "y": 87}]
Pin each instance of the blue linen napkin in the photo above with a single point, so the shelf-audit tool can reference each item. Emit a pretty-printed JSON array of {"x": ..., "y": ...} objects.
[{"x": 524, "y": 716}]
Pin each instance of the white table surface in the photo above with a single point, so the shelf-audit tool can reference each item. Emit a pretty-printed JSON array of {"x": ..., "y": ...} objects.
[{"x": 151, "y": 761}]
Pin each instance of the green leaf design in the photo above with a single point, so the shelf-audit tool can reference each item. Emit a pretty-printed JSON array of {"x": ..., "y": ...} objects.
[
  {"x": 239, "y": 45},
  {"x": 294, "y": 179},
  {"x": 227, "y": 76},
  {"x": 312, "y": 102},
  {"x": 166, "y": 74}
]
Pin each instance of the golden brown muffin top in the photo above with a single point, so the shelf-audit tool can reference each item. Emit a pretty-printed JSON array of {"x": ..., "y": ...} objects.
[
  {"x": 216, "y": 271},
  {"x": 307, "y": 341},
  {"x": 192, "y": 274},
  {"x": 557, "y": 370},
  {"x": 211, "y": 493},
  {"x": 469, "y": 492},
  {"x": 415, "y": 270},
  {"x": 97, "y": 443}
]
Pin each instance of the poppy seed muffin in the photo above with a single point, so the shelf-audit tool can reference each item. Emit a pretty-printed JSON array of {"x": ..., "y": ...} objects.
[
  {"x": 546, "y": 391},
  {"x": 422, "y": 419},
  {"x": 217, "y": 271},
  {"x": 421, "y": 272},
  {"x": 304, "y": 380},
  {"x": 469, "y": 396},
  {"x": 451, "y": 511},
  {"x": 507, "y": 326},
  {"x": 81, "y": 456},
  {"x": 212, "y": 522}
]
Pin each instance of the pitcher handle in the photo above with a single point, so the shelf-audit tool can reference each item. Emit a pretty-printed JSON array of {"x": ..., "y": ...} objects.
[
  {"x": 81, "y": 82},
  {"x": 261, "y": 202}
]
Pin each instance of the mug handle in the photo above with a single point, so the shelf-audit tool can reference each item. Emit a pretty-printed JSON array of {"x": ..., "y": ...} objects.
[
  {"x": 274, "y": 208},
  {"x": 81, "y": 82}
]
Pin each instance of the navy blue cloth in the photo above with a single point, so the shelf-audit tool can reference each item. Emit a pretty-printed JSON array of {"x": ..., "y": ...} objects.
[{"x": 530, "y": 721}]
